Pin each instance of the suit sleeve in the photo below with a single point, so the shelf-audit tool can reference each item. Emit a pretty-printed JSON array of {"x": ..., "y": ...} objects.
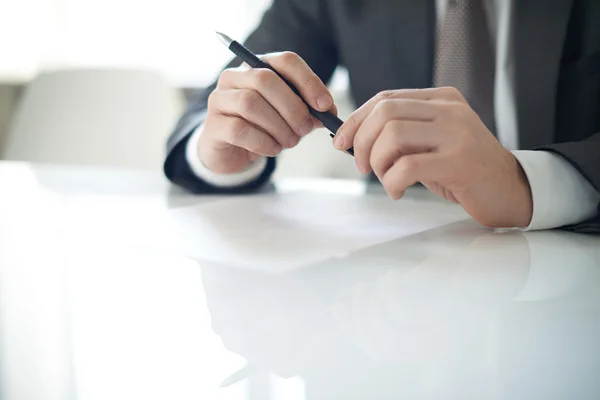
[
  {"x": 301, "y": 26},
  {"x": 585, "y": 157}
]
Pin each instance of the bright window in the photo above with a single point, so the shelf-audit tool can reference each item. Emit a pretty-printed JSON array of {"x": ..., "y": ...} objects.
[{"x": 172, "y": 36}]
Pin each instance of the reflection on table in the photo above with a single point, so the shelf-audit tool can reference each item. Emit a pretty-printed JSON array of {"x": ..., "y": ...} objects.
[{"x": 457, "y": 312}]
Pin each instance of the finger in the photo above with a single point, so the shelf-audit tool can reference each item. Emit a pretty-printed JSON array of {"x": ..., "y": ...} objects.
[
  {"x": 408, "y": 170},
  {"x": 241, "y": 133},
  {"x": 351, "y": 126},
  {"x": 448, "y": 93},
  {"x": 252, "y": 107},
  {"x": 398, "y": 139},
  {"x": 386, "y": 111},
  {"x": 229, "y": 78},
  {"x": 334, "y": 110},
  {"x": 275, "y": 91},
  {"x": 298, "y": 73}
]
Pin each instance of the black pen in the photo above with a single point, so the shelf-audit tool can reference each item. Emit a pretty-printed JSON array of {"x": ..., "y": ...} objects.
[{"x": 329, "y": 120}]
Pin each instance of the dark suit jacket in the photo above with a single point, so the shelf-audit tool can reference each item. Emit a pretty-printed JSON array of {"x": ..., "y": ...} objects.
[{"x": 389, "y": 44}]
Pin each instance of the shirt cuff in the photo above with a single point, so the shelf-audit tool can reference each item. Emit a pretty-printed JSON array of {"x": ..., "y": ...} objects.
[
  {"x": 561, "y": 195},
  {"x": 220, "y": 180}
]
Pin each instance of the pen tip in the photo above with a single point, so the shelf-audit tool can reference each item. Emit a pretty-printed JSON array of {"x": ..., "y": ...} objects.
[{"x": 226, "y": 40}]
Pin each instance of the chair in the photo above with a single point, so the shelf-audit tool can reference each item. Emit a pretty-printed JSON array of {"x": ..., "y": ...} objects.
[
  {"x": 94, "y": 117},
  {"x": 8, "y": 98}
]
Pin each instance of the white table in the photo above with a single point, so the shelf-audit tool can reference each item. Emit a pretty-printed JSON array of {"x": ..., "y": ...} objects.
[{"x": 93, "y": 306}]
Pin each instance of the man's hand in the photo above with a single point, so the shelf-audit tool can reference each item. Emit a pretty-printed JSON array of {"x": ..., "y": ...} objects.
[
  {"x": 254, "y": 113},
  {"x": 432, "y": 136}
]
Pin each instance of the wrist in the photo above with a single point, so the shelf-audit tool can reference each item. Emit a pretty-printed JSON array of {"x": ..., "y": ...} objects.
[
  {"x": 224, "y": 163},
  {"x": 523, "y": 207},
  {"x": 226, "y": 160}
]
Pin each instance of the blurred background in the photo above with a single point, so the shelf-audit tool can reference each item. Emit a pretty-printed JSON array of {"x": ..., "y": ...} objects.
[{"x": 102, "y": 82}]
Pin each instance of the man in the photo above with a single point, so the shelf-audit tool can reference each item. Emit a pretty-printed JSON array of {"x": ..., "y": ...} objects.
[{"x": 501, "y": 75}]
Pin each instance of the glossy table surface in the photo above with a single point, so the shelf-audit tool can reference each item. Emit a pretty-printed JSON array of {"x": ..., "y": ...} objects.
[{"x": 115, "y": 285}]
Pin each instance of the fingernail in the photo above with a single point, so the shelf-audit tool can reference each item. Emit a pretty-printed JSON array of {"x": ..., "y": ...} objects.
[
  {"x": 307, "y": 127},
  {"x": 324, "y": 102},
  {"x": 338, "y": 141}
]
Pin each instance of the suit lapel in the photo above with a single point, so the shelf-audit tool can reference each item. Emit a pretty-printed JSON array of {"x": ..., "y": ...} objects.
[{"x": 540, "y": 30}]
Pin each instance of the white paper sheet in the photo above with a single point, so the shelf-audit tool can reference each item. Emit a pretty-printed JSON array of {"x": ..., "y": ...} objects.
[{"x": 275, "y": 232}]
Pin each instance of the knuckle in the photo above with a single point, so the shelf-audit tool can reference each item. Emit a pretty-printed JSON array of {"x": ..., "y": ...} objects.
[
  {"x": 288, "y": 57},
  {"x": 268, "y": 146},
  {"x": 287, "y": 139},
  {"x": 446, "y": 110},
  {"x": 361, "y": 144},
  {"x": 454, "y": 110},
  {"x": 393, "y": 127},
  {"x": 293, "y": 141},
  {"x": 386, "y": 94},
  {"x": 352, "y": 121},
  {"x": 408, "y": 165},
  {"x": 378, "y": 164},
  {"x": 237, "y": 130},
  {"x": 226, "y": 76},
  {"x": 385, "y": 109},
  {"x": 212, "y": 99},
  {"x": 264, "y": 77},
  {"x": 461, "y": 108},
  {"x": 248, "y": 100},
  {"x": 451, "y": 92}
]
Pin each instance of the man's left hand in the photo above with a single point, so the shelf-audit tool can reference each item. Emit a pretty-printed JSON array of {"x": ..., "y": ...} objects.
[{"x": 432, "y": 136}]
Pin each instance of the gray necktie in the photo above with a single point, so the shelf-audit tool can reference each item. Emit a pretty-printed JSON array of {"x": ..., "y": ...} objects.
[{"x": 465, "y": 56}]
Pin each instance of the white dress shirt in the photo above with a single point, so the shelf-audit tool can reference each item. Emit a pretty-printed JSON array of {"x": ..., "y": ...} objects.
[{"x": 560, "y": 194}]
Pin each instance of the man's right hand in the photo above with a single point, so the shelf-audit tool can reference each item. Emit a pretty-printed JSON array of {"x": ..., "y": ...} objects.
[{"x": 253, "y": 113}]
